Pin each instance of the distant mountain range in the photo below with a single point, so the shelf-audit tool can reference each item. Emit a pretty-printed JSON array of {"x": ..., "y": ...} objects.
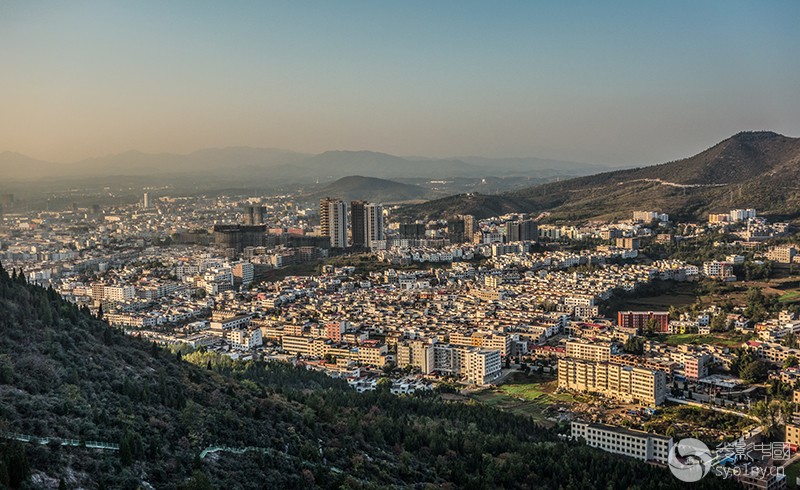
[
  {"x": 369, "y": 189},
  {"x": 749, "y": 169},
  {"x": 244, "y": 164}
]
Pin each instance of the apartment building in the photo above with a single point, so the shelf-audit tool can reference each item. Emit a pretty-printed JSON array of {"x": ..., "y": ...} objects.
[
  {"x": 783, "y": 254},
  {"x": 220, "y": 324},
  {"x": 244, "y": 338},
  {"x": 696, "y": 367},
  {"x": 417, "y": 354},
  {"x": 487, "y": 340},
  {"x": 632, "y": 443},
  {"x": 772, "y": 352},
  {"x": 718, "y": 269},
  {"x": 481, "y": 366},
  {"x": 118, "y": 294},
  {"x": 626, "y": 383},
  {"x": 589, "y": 351},
  {"x": 372, "y": 352},
  {"x": 639, "y": 319}
]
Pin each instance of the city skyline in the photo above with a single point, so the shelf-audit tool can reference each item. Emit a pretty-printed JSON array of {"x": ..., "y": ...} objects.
[{"x": 628, "y": 85}]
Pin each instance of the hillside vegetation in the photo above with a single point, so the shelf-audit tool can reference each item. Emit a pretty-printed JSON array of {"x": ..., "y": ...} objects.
[{"x": 65, "y": 374}]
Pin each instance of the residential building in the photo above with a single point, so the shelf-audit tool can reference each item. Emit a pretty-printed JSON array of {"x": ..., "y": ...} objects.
[
  {"x": 627, "y": 383},
  {"x": 618, "y": 440},
  {"x": 639, "y": 320},
  {"x": 589, "y": 351},
  {"x": 374, "y": 230},
  {"x": 358, "y": 221}
]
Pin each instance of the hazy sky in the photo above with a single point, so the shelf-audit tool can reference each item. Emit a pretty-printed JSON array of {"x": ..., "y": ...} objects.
[{"x": 603, "y": 82}]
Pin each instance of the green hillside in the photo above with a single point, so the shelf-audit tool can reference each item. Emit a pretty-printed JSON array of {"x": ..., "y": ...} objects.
[{"x": 66, "y": 375}]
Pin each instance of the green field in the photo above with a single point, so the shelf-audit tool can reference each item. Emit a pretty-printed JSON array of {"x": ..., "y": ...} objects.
[
  {"x": 526, "y": 395},
  {"x": 697, "y": 339},
  {"x": 790, "y": 297}
]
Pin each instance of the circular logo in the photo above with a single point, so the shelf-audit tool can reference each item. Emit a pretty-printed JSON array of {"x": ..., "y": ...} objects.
[{"x": 690, "y": 460}]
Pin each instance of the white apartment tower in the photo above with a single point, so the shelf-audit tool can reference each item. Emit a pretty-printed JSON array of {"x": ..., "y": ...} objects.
[
  {"x": 337, "y": 223},
  {"x": 374, "y": 223}
]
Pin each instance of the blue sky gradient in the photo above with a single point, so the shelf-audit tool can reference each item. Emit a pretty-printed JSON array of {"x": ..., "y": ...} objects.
[{"x": 618, "y": 83}]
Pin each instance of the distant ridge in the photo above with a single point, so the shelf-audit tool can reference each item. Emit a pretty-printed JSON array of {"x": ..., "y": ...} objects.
[
  {"x": 249, "y": 165},
  {"x": 368, "y": 188},
  {"x": 758, "y": 169}
]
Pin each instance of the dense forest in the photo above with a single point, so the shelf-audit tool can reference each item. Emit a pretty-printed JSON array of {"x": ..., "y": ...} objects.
[{"x": 65, "y": 374}]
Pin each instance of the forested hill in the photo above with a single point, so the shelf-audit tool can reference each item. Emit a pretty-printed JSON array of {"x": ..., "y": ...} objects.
[{"x": 67, "y": 375}]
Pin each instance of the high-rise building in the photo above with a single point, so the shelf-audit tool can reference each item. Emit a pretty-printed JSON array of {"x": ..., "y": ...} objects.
[
  {"x": 238, "y": 237},
  {"x": 337, "y": 223},
  {"x": 470, "y": 226},
  {"x": 146, "y": 201},
  {"x": 521, "y": 231},
  {"x": 359, "y": 223},
  {"x": 255, "y": 215},
  {"x": 412, "y": 231},
  {"x": 455, "y": 230},
  {"x": 374, "y": 224},
  {"x": 324, "y": 219}
]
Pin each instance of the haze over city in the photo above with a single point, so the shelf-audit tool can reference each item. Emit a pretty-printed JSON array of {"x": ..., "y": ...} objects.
[
  {"x": 629, "y": 83},
  {"x": 405, "y": 245}
]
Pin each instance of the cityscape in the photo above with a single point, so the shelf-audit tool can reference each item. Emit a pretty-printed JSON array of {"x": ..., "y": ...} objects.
[{"x": 211, "y": 312}]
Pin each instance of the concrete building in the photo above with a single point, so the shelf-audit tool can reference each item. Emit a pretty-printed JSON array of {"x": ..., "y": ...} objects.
[
  {"x": 589, "y": 351},
  {"x": 783, "y": 255},
  {"x": 630, "y": 384},
  {"x": 696, "y": 367},
  {"x": 632, "y": 443},
  {"x": 336, "y": 220},
  {"x": 628, "y": 243},
  {"x": 358, "y": 221},
  {"x": 417, "y": 354},
  {"x": 520, "y": 231},
  {"x": 243, "y": 273},
  {"x": 119, "y": 293},
  {"x": 482, "y": 366},
  {"x": 374, "y": 229},
  {"x": 255, "y": 215},
  {"x": 639, "y": 319},
  {"x": 718, "y": 269}
]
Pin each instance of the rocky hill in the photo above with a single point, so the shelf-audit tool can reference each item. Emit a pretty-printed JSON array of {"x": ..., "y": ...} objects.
[{"x": 749, "y": 169}]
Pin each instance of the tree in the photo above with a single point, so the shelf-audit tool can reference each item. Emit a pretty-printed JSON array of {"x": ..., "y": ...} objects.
[
  {"x": 719, "y": 323},
  {"x": 634, "y": 345},
  {"x": 771, "y": 414},
  {"x": 790, "y": 340},
  {"x": 383, "y": 385},
  {"x": 754, "y": 371},
  {"x": 651, "y": 327},
  {"x": 198, "y": 481},
  {"x": 790, "y": 362},
  {"x": 741, "y": 357}
]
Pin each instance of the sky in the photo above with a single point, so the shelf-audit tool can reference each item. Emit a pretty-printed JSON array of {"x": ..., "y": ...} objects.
[{"x": 615, "y": 83}]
